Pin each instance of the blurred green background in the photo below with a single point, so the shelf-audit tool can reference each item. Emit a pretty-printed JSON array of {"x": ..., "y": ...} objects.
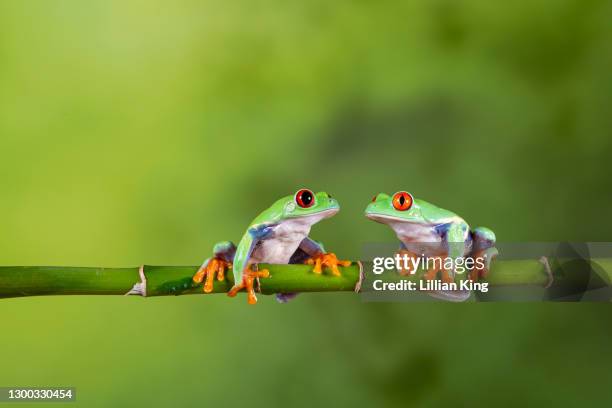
[{"x": 144, "y": 131}]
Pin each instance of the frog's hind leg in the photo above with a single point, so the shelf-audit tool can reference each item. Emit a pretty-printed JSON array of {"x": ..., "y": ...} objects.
[
  {"x": 483, "y": 252},
  {"x": 456, "y": 237},
  {"x": 306, "y": 249},
  {"x": 285, "y": 297},
  {"x": 223, "y": 256},
  {"x": 299, "y": 257}
]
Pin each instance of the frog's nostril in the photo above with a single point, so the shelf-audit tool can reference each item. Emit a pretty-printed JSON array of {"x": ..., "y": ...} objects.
[{"x": 329, "y": 196}]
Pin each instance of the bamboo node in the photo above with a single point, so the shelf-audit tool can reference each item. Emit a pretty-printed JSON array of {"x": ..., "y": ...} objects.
[{"x": 139, "y": 288}]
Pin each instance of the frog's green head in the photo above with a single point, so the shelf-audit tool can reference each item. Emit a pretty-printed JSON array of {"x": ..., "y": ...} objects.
[
  {"x": 305, "y": 205},
  {"x": 401, "y": 207}
]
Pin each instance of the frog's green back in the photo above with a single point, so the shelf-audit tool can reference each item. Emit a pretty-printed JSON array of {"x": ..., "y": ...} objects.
[
  {"x": 272, "y": 214},
  {"x": 432, "y": 213}
]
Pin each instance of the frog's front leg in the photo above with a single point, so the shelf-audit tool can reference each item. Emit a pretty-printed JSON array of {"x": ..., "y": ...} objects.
[
  {"x": 319, "y": 258},
  {"x": 247, "y": 282},
  {"x": 483, "y": 247},
  {"x": 223, "y": 255},
  {"x": 447, "y": 275},
  {"x": 456, "y": 236},
  {"x": 244, "y": 274}
]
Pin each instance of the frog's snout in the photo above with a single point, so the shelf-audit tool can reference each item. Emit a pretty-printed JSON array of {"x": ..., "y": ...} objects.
[
  {"x": 369, "y": 208},
  {"x": 372, "y": 212}
]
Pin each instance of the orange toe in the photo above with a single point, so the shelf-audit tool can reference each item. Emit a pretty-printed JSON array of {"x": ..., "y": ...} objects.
[
  {"x": 329, "y": 260},
  {"x": 248, "y": 284},
  {"x": 214, "y": 267}
]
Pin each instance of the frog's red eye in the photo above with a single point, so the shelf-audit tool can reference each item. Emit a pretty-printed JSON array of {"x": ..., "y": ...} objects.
[
  {"x": 304, "y": 198},
  {"x": 402, "y": 201}
]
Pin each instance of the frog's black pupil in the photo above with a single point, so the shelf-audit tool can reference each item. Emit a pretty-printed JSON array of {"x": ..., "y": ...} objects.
[
  {"x": 402, "y": 200},
  {"x": 306, "y": 198}
]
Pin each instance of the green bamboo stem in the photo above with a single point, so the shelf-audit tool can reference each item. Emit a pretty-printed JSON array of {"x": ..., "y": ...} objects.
[{"x": 20, "y": 281}]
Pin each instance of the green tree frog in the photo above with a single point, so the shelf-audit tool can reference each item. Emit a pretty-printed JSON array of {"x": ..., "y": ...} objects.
[
  {"x": 279, "y": 235},
  {"x": 426, "y": 230}
]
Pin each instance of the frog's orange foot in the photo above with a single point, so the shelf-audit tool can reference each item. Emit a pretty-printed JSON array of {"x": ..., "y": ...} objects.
[
  {"x": 431, "y": 274},
  {"x": 410, "y": 266},
  {"x": 247, "y": 283},
  {"x": 447, "y": 276},
  {"x": 215, "y": 266},
  {"x": 330, "y": 260}
]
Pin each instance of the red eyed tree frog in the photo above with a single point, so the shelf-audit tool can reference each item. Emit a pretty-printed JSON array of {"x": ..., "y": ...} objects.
[
  {"x": 279, "y": 235},
  {"x": 424, "y": 229}
]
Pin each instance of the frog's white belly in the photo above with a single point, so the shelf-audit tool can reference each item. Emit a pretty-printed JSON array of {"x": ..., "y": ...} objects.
[
  {"x": 425, "y": 235},
  {"x": 422, "y": 239},
  {"x": 283, "y": 243}
]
